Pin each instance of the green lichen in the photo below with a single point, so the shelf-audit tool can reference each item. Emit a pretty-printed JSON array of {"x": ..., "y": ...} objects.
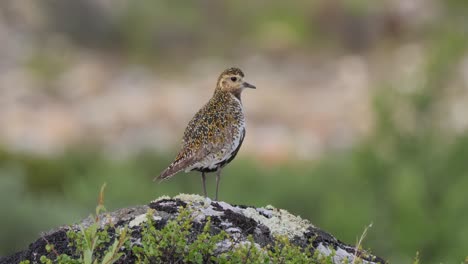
[
  {"x": 282, "y": 223},
  {"x": 192, "y": 198}
]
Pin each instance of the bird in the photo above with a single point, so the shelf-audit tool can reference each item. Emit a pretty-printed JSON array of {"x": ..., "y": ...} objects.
[{"x": 215, "y": 134}]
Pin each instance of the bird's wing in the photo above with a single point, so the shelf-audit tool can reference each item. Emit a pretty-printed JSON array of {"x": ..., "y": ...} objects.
[
  {"x": 190, "y": 154},
  {"x": 193, "y": 146}
]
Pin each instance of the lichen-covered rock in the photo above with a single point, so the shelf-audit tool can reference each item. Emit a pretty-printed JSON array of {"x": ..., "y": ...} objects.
[{"x": 263, "y": 225}]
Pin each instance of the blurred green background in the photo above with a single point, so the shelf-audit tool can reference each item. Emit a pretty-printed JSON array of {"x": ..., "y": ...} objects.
[{"x": 360, "y": 116}]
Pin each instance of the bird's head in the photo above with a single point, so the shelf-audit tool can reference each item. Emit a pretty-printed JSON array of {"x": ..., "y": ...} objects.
[{"x": 232, "y": 80}]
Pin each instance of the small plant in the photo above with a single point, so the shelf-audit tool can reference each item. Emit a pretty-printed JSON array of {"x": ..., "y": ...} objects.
[
  {"x": 284, "y": 252},
  {"x": 172, "y": 243},
  {"x": 91, "y": 240},
  {"x": 416, "y": 259},
  {"x": 357, "y": 258},
  {"x": 202, "y": 249},
  {"x": 244, "y": 253}
]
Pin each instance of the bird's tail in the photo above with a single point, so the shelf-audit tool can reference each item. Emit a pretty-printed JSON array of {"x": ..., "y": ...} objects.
[
  {"x": 175, "y": 167},
  {"x": 166, "y": 174}
]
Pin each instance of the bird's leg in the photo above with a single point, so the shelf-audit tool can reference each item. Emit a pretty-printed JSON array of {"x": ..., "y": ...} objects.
[
  {"x": 218, "y": 178},
  {"x": 204, "y": 185}
]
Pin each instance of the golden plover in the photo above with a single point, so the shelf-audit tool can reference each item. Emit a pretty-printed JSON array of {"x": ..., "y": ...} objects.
[{"x": 214, "y": 135}]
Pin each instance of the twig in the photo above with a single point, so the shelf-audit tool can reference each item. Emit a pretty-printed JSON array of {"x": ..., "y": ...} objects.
[
  {"x": 248, "y": 254},
  {"x": 52, "y": 247}
]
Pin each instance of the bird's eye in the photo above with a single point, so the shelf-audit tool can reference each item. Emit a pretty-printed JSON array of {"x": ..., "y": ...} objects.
[{"x": 233, "y": 79}]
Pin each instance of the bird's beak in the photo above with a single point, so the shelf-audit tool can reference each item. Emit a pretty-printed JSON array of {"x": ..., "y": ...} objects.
[{"x": 248, "y": 85}]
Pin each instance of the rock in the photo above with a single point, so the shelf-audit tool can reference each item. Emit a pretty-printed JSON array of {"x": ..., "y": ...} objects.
[{"x": 264, "y": 225}]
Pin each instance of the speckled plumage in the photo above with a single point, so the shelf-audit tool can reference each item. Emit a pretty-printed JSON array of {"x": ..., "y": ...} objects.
[{"x": 216, "y": 132}]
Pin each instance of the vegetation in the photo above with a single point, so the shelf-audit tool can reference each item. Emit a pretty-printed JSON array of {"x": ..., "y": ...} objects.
[
  {"x": 173, "y": 244},
  {"x": 412, "y": 210}
]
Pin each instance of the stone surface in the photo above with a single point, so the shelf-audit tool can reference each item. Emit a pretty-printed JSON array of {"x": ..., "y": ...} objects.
[{"x": 238, "y": 221}]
